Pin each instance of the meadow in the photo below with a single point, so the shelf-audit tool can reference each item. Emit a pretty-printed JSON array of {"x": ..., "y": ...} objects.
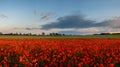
[
  {"x": 66, "y": 36},
  {"x": 65, "y": 51}
]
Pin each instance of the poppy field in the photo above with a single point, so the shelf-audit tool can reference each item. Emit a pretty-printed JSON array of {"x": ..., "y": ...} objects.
[{"x": 60, "y": 52}]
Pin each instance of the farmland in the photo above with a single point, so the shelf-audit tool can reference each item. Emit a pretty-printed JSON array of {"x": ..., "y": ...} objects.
[{"x": 60, "y": 52}]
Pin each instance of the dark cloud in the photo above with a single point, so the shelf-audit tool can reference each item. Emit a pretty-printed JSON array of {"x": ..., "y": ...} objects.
[
  {"x": 3, "y": 16},
  {"x": 31, "y": 28},
  {"x": 27, "y": 28},
  {"x": 46, "y": 15},
  {"x": 71, "y": 21},
  {"x": 43, "y": 15},
  {"x": 79, "y": 21},
  {"x": 69, "y": 32}
]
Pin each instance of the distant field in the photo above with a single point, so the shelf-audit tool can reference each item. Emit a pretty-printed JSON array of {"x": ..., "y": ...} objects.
[{"x": 67, "y": 36}]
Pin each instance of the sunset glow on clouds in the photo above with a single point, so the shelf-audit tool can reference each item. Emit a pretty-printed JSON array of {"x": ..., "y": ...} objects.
[{"x": 63, "y": 16}]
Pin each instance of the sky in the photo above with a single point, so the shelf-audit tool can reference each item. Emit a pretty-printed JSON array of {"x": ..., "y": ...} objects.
[{"x": 60, "y": 16}]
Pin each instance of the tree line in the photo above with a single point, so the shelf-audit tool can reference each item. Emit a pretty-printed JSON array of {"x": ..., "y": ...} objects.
[
  {"x": 30, "y": 34},
  {"x": 52, "y": 34},
  {"x": 107, "y": 34}
]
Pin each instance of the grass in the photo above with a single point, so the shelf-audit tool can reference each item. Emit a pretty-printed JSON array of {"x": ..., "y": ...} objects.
[{"x": 67, "y": 36}]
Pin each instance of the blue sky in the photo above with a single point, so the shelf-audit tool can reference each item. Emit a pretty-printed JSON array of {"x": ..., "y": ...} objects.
[{"x": 34, "y": 15}]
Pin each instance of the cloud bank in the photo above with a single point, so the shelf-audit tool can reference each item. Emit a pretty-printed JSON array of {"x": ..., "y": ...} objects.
[
  {"x": 79, "y": 21},
  {"x": 71, "y": 21},
  {"x": 79, "y": 25}
]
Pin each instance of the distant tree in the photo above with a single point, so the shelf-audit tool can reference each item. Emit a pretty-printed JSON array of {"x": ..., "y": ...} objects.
[
  {"x": 51, "y": 34},
  {"x": 16, "y": 34},
  {"x": 43, "y": 33},
  {"x": 1, "y": 33},
  {"x": 39, "y": 34},
  {"x": 104, "y": 33},
  {"x": 29, "y": 34},
  {"x": 23, "y": 33},
  {"x": 56, "y": 34},
  {"x": 10, "y": 34},
  {"x": 20, "y": 33},
  {"x": 63, "y": 34}
]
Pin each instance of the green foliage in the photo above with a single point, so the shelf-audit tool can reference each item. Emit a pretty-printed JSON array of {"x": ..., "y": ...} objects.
[
  {"x": 13, "y": 58},
  {"x": 1, "y": 58},
  {"x": 21, "y": 64},
  {"x": 117, "y": 64}
]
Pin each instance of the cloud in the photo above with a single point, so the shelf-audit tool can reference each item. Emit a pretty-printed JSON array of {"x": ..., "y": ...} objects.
[
  {"x": 46, "y": 15},
  {"x": 79, "y": 24},
  {"x": 27, "y": 28},
  {"x": 77, "y": 21},
  {"x": 92, "y": 30},
  {"x": 69, "y": 32},
  {"x": 32, "y": 28},
  {"x": 71, "y": 21},
  {"x": 111, "y": 23},
  {"x": 114, "y": 23},
  {"x": 36, "y": 11},
  {"x": 3, "y": 16}
]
